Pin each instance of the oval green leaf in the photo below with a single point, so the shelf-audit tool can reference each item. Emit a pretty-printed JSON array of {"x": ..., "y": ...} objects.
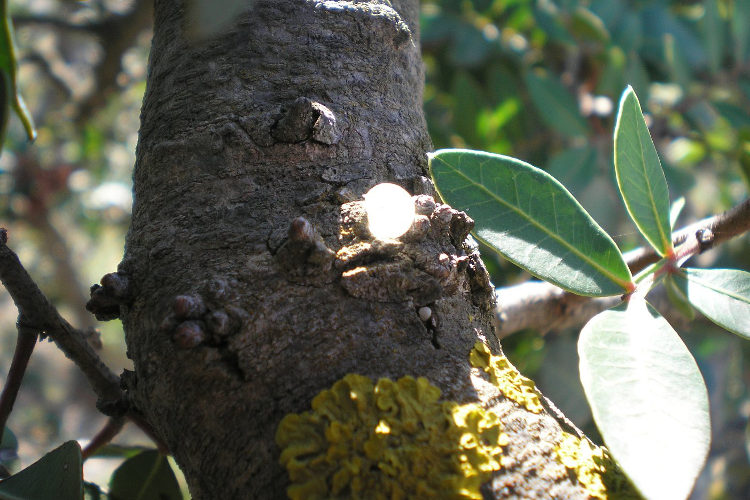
[
  {"x": 146, "y": 476},
  {"x": 575, "y": 167},
  {"x": 58, "y": 475},
  {"x": 556, "y": 106},
  {"x": 721, "y": 295},
  {"x": 740, "y": 28},
  {"x": 640, "y": 176},
  {"x": 675, "y": 210},
  {"x": 532, "y": 220},
  {"x": 647, "y": 397}
]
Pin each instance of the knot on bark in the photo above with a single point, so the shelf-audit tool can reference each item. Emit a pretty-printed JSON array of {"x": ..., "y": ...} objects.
[
  {"x": 209, "y": 318},
  {"x": 107, "y": 297},
  {"x": 383, "y": 18},
  {"x": 431, "y": 260},
  {"x": 305, "y": 119},
  {"x": 304, "y": 256}
]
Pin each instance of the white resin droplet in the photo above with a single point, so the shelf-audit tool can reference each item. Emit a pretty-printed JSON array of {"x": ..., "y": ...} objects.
[
  {"x": 390, "y": 210},
  {"x": 425, "y": 313}
]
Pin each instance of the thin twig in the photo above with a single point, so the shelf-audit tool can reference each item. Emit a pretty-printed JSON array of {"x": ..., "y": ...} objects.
[
  {"x": 725, "y": 226},
  {"x": 32, "y": 303},
  {"x": 42, "y": 316},
  {"x": 24, "y": 347},
  {"x": 544, "y": 307}
]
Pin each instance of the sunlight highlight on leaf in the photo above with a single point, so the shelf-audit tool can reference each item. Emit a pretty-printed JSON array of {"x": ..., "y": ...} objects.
[
  {"x": 640, "y": 176},
  {"x": 532, "y": 220},
  {"x": 648, "y": 398},
  {"x": 721, "y": 295}
]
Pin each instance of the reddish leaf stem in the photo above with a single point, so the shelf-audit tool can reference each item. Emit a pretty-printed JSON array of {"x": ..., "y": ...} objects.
[
  {"x": 112, "y": 428},
  {"x": 24, "y": 347}
]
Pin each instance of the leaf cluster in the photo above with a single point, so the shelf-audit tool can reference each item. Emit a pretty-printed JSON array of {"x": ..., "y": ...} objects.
[
  {"x": 646, "y": 393},
  {"x": 541, "y": 80}
]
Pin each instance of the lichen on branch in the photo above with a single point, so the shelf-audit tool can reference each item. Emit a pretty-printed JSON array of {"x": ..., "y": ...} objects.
[
  {"x": 506, "y": 378},
  {"x": 595, "y": 469},
  {"x": 389, "y": 440}
]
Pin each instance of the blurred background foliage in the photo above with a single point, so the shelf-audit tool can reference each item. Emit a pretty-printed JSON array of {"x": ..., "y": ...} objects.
[{"x": 535, "y": 79}]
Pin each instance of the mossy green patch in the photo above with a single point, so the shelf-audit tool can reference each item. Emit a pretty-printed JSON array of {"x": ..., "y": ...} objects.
[
  {"x": 506, "y": 378},
  {"x": 390, "y": 440},
  {"x": 595, "y": 469}
]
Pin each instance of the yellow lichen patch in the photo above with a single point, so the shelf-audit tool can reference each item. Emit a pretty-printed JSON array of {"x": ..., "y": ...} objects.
[
  {"x": 506, "y": 378},
  {"x": 595, "y": 469},
  {"x": 391, "y": 440}
]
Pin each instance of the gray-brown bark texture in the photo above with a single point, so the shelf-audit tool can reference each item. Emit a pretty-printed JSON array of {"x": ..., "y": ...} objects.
[{"x": 253, "y": 283}]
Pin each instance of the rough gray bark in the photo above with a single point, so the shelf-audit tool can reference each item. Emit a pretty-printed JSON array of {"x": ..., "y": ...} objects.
[{"x": 239, "y": 312}]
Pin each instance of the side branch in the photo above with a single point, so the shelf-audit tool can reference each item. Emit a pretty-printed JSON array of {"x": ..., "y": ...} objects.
[
  {"x": 722, "y": 227},
  {"x": 24, "y": 347},
  {"x": 542, "y": 306},
  {"x": 42, "y": 316}
]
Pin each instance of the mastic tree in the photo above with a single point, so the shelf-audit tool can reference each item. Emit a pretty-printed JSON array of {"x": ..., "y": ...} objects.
[{"x": 250, "y": 282}]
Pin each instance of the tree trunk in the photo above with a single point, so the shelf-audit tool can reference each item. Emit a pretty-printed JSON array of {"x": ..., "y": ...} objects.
[{"x": 254, "y": 282}]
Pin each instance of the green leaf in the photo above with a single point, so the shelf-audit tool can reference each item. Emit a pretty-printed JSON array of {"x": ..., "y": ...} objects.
[
  {"x": 8, "y": 452},
  {"x": 11, "y": 99},
  {"x": 612, "y": 77},
  {"x": 58, "y": 475},
  {"x": 740, "y": 29},
  {"x": 660, "y": 20},
  {"x": 532, "y": 220},
  {"x": 721, "y": 295},
  {"x": 637, "y": 75},
  {"x": 675, "y": 210},
  {"x": 679, "y": 71},
  {"x": 736, "y": 116},
  {"x": 574, "y": 168},
  {"x": 470, "y": 46},
  {"x": 677, "y": 298},
  {"x": 588, "y": 26},
  {"x": 556, "y": 106},
  {"x": 640, "y": 176},
  {"x": 146, "y": 476},
  {"x": 436, "y": 26},
  {"x": 629, "y": 34},
  {"x": 8, "y": 445},
  {"x": 549, "y": 19},
  {"x": 468, "y": 102},
  {"x": 118, "y": 451},
  {"x": 647, "y": 397},
  {"x": 714, "y": 32},
  {"x": 92, "y": 491}
]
